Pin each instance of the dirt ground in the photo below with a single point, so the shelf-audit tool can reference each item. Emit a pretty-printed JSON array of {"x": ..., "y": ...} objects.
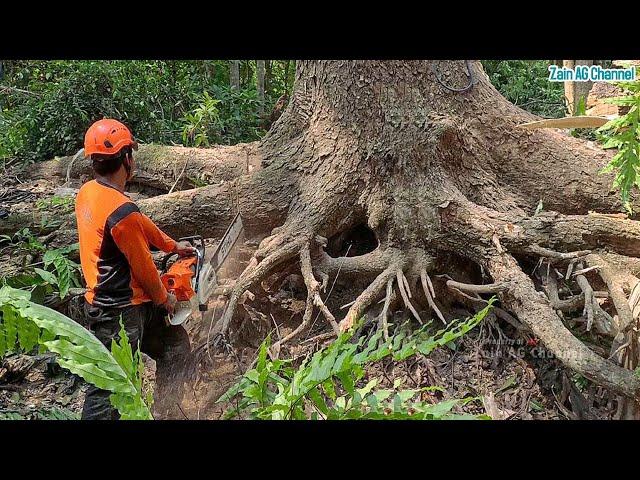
[{"x": 514, "y": 378}]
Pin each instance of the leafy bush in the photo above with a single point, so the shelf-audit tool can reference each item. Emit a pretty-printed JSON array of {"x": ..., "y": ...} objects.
[
  {"x": 54, "y": 413},
  {"x": 525, "y": 83},
  {"x": 623, "y": 133},
  {"x": 325, "y": 387},
  {"x": 60, "y": 273},
  {"x": 154, "y": 98},
  {"x": 203, "y": 123},
  {"x": 25, "y": 325}
]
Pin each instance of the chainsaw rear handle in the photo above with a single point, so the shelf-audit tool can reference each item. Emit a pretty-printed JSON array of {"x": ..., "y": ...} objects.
[{"x": 200, "y": 251}]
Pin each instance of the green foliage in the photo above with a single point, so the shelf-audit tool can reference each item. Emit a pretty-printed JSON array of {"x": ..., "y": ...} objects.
[
  {"x": 158, "y": 99},
  {"x": 525, "y": 83},
  {"x": 54, "y": 413},
  {"x": 239, "y": 118},
  {"x": 26, "y": 324},
  {"x": 59, "y": 205},
  {"x": 23, "y": 240},
  {"x": 59, "y": 274},
  {"x": 11, "y": 416},
  {"x": 326, "y": 386},
  {"x": 623, "y": 133},
  {"x": 65, "y": 269},
  {"x": 17, "y": 333},
  {"x": 203, "y": 123},
  {"x": 580, "y": 108},
  {"x": 130, "y": 404}
]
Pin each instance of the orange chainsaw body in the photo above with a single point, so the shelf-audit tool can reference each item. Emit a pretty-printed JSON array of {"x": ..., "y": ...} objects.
[{"x": 178, "y": 279}]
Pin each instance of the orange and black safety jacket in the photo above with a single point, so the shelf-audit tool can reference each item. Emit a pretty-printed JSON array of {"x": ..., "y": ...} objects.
[{"x": 115, "y": 248}]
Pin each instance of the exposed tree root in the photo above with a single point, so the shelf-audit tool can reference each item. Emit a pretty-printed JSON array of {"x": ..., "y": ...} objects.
[
  {"x": 313, "y": 287},
  {"x": 429, "y": 292},
  {"x": 606, "y": 271},
  {"x": 405, "y": 293},
  {"x": 575, "y": 302},
  {"x": 560, "y": 233},
  {"x": 625, "y": 349},
  {"x": 383, "y": 323},
  {"x": 536, "y": 312},
  {"x": 587, "y": 291},
  {"x": 369, "y": 295},
  {"x": 313, "y": 299},
  {"x": 544, "y": 234},
  {"x": 486, "y": 288},
  {"x": 254, "y": 273},
  {"x": 369, "y": 264},
  {"x": 553, "y": 255}
]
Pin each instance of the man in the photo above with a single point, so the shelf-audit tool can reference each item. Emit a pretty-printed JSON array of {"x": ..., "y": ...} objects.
[{"x": 115, "y": 253}]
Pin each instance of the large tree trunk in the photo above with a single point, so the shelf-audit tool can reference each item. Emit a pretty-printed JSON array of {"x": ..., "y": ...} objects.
[
  {"x": 234, "y": 74},
  {"x": 260, "y": 73},
  {"x": 163, "y": 168},
  {"x": 576, "y": 92},
  {"x": 268, "y": 67},
  {"x": 436, "y": 174}
]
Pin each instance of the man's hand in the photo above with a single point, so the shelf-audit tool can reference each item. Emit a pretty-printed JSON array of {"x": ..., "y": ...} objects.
[
  {"x": 184, "y": 249},
  {"x": 170, "y": 304}
]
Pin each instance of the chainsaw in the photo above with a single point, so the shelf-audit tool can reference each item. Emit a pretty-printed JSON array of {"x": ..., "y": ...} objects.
[{"x": 192, "y": 280}]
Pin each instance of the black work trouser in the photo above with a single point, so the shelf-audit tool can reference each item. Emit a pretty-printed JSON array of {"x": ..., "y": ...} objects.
[{"x": 168, "y": 345}]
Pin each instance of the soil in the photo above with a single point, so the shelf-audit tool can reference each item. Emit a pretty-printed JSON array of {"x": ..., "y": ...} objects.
[{"x": 490, "y": 361}]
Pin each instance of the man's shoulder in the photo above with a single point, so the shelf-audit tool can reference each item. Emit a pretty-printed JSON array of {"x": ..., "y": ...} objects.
[
  {"x": 125, "y": 210},
  {"x": 105, "y": 201},
  {"x": 86, "y": 186}
]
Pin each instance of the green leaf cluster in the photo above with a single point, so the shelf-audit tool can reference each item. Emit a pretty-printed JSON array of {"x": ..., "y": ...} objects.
[
  {"x": 327, "y": 385},
  {"x": 50, "y": 104},
  {"x": 59, "y": 274},
  {"x": 623, "y": 133},
  {"x": 25, "y": 324},
  {"x": 525, "y": 83}
]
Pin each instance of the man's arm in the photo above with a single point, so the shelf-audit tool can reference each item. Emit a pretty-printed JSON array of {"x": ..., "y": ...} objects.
[
  {"x": 161, "y": 240},
  {"x": 155, "y": 236},
  {"x": 130, "y": 236}
]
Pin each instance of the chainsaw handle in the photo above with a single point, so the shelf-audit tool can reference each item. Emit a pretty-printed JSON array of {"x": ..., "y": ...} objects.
[
  {"x": 165, "y": 260},
  {"x": 192, "y": 240}
]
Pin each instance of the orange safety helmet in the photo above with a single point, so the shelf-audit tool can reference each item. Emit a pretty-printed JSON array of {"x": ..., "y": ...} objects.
[{"x": 108, "y": 137}]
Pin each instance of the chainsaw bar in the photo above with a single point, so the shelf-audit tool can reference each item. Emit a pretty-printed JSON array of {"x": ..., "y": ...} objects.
[
  {"x": 208, "y": 279},
  {"x": 229, "y": 239}
]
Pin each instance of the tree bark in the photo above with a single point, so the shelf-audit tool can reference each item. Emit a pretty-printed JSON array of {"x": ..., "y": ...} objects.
[
  {"x": 267, "y": 76},
  {"x": 576, "y": 92},
  {"x": 286, "y": 77},
  {"x": 248, "y": 72},
  {"x": 260, "y": 72},
  {"x": 164, "y": 167},
  {"x": 210, "y": 68},
  {"x": 234, "y": 74}
]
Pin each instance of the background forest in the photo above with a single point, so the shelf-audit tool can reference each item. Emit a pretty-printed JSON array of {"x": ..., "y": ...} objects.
[{"x": 45, "y": 106}]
